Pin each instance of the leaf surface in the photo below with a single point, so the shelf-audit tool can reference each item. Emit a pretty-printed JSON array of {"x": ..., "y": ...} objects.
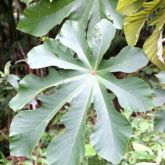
[
  {"x": 133, "y": 93},
  {"x": 39, "y": 19},
  {"x": 159, "y": 122},
  {"x": 129, "y": 60},
  {"x": 31, "y": 86},
  {"x": 112, "y": 131},
  {"x": 72, "y": 35},
  {"x": 134, "y": 22},
  {"x": 71, "y": 142},
  {"x": 103, "y": 34},
  {"x": 53, "y": 53},
  {"x": 33, "y": 122},
  {"x": 128, "y": 7}
]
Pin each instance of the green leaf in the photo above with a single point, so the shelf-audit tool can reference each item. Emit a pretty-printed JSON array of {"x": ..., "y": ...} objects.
[
  {"x": 153, "y": 46},
  {"x": 13, "y": 80},
  {"x": 39, "y": 19},
  {"x": 151, "y": 13},
  {"x": 126, "y": 61},
  {"x": 134, "y": 22},
  {"x": 159, "y": 97},
  {"x": 154, "y": 49},
  {"x": 107, "y": 10},
  {"x": 33, "y": 122},
  {"x": 143, "y": 155},
  {"x": 53, "y": 53},
  {"x": 140, "y": 147},
  {"x": 161, "y": 77},
  {"x": 73, "y": 137},
  {"x": 72, "y": 35},
  {"x": 112, "y": 131},
  {"x": 31, "y": 86},
  {"x": 103, "y": 34},
  {"x": 26, "y": 1},
  {"x": 159, "y": 123},
  {"x": 133, "y": 93},
  {"x": 89, "y": 150},
  {"x": 128, "y": 7},
  {"x": 7, "y": 68},
  {"x": 146, "y": 163},
  {"x": 103, "y": 10}
]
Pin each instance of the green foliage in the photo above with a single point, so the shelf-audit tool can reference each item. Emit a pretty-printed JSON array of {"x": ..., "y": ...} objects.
[
  {"x": 42, "y": 16},
  {"x": 160, "y": 101},
  {"x": 161, "y": 77},
  {"x": 146, "y": 145},
  {"x": 87, "y": 84},
  {"x": 39, "y": 23},
  {"x": 137, "y": 14},
  {"x": 96, "y": 116}
]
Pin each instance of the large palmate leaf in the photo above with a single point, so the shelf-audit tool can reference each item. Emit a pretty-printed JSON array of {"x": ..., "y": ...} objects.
[
  {"x": 141, "y": 12},
  {"x": 87, "y": 84},
  {"x": 42, "y": 16}
]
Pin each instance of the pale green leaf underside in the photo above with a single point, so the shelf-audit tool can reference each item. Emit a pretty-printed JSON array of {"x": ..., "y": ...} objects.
[
  {"x": 72, "y": 35},
  {"x": 160, "y": 121},
  {"x": 71, "y": 143},
  {"x": 129, "y": 60},
  {"x": 112, "y": 130},
  {"x": 103, "y": 10},
  {"x": 133, "y": 93},
  {"x": 53, "y": 53},
  {"x": 108, "y": 10},
  {"x": 103, "y": 34},
  {"x": 159, "y": 97},
  {"x": 31, "y": 86},
  {"x": 34, "y": 122}
]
